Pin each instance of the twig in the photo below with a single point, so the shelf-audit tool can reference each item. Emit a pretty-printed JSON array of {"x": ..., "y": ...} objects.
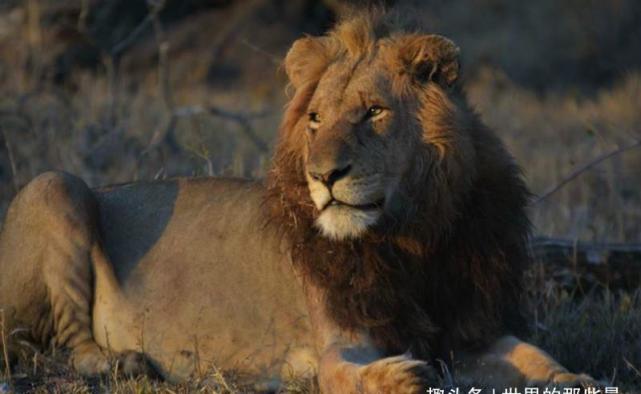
[
  {"x": 585, "y": 167},
  {"x": 167, "y": 132},
  {"x": 5, "y": 350},
  {"x": 164, "y": 81},
  {"x": 216, "y": 111},
  {"x": 616, "y": 265},
  {"x": 273, "y": 58},
  {"x": 570, "y": 247},
  {"x": 242, "y": 119},
  {"x": 123, "y": 45},
  {"x": 82, "y": 16},
  {"x": 232, "y": 26},
  {"x": 152, "y": 18},
  {"x": 12, "y": 162},
  {"x": 244, "y": 123},
  {"x": 204, "y": 155},
  {"x": 163, "y": 54},
  {"x": 111, "y": 68},
  {"x": 632, "y": 367}
]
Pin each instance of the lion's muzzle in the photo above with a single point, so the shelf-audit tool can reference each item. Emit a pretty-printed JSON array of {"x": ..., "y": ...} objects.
[{"x": 348, "y": 205}]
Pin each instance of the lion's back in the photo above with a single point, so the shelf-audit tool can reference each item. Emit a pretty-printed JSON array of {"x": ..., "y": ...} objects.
[{"x": 195, "y": 265}]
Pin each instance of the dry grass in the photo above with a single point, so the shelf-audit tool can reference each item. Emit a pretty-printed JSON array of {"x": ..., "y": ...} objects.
[
  {"x": 596, "y": 333},
  {"x": 550, "y": 134},
  {"x": 49, "y": 372},
  {"x": 110, "y": 128}
]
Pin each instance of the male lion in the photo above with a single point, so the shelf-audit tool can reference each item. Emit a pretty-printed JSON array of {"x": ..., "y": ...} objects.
[{"x": 389, "y": 234}]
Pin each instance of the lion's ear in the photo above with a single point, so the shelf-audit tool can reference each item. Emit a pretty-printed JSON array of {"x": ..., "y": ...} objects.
[
  {"x": 306, "y": 59},
  {"x": 431, "y": 58}
]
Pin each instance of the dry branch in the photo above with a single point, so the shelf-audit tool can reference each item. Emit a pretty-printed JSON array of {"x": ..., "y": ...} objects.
[
  {"x": 25, "y": 123},
  {"x": 123, "y": 45},
  {"x": 242, "y": 119},
  {"x": 244, "y": 122},
  {"x": 585, "y": 167},
  {"x": 4, "y": 343},
  {"x": 167, "y": 134},
  {"x": 615, "y": 265},
  {"x": 12, "y": 162},
  {"x": 270, "y": 56},
  {"x": 233, "y": 25}
]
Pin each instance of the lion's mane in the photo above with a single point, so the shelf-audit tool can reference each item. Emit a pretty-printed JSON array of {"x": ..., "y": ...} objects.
[{"x": 448, "y": 271}]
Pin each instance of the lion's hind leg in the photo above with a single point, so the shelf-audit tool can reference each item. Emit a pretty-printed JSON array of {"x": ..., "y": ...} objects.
[
  {"x": 510, "y": 362},
  {"x": 45, "y": 260}
]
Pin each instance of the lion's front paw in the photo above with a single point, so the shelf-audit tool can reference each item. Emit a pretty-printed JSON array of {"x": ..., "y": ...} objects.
[
  {"x": 88, "y": 360},
  {"x": 566, "y": 379},
  {"x": 131, "y": 363},
  {"x": 399, "y": 374}
]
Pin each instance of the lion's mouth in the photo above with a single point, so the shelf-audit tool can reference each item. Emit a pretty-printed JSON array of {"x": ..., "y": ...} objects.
[{"x": 361, "y": 207}]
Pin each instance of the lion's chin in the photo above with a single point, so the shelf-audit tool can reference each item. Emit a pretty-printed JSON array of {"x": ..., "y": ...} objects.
[{"x": 342, "y": 222}]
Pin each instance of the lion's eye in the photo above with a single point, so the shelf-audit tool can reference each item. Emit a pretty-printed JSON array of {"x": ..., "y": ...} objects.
[
  {"x": 314, "y": 120},
  {"x": 374, "y": 111}
]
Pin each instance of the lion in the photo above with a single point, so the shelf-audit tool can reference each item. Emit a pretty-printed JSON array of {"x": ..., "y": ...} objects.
[{"x": 389, "y": 235}]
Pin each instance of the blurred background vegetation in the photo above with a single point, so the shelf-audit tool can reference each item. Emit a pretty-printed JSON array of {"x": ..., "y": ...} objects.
[{"x": 123, "y": 90}]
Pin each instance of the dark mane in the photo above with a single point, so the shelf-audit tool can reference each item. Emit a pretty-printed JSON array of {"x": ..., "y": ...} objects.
[{"x": 447, "y": 272}]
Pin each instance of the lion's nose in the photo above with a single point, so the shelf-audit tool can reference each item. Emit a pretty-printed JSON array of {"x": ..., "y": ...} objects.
[{"x": 331, "y": 176}]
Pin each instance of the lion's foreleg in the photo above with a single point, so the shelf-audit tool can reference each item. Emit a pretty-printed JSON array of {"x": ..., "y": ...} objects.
[
  {"x": 510, "y": 362},
  {"x": 349, "y": 363}
]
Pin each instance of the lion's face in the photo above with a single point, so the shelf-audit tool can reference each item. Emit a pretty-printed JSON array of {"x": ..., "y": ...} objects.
[
  {"x": 358, "y": 142},
  {"x": 360, "y": 121}
]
